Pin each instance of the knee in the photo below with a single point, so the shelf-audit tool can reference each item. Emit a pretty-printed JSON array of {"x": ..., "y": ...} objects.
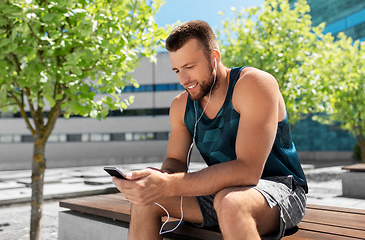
[
  {"x": 151, "y": 210},
  {"x": 226, "y": 204},
  {"x": 229, "y": 206}
]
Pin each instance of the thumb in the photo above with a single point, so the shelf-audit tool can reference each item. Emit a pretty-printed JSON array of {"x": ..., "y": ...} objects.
[{"x": 137, "y": 174}]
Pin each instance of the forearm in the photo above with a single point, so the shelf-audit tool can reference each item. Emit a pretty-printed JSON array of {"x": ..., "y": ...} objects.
[
  {"x": 171, "y": 165},
  {"x": 213, "y": 179}
]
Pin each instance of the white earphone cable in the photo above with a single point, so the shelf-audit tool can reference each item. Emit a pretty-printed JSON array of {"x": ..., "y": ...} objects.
[{"x": 188, "y": 160}]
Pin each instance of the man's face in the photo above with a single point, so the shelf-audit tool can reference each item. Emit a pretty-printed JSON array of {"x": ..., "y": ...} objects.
[{"x": 193, "y": 69}]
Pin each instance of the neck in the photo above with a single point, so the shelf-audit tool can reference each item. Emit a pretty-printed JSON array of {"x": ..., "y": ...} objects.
[
  {"x": 218, "y": 94},
  {"x": 220, "y": 85}
]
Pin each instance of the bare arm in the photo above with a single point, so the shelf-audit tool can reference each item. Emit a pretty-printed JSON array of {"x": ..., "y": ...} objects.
[{"x": 179, "y": 140}]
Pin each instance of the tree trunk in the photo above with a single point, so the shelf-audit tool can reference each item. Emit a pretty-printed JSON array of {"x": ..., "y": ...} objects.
[
  {"x": 38, "y": 169},
  {"x": 362, "y": 149}
]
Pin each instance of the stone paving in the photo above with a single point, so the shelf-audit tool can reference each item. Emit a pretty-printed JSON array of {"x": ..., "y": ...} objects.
[{"x": 325, "y": 188}]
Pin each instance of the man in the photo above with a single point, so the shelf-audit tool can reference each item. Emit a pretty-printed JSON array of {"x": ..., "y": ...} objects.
[{"x": 254, "y": 185}]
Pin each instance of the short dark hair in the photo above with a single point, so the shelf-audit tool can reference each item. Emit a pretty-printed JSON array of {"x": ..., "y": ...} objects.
[{"x": 196, "y": 29}]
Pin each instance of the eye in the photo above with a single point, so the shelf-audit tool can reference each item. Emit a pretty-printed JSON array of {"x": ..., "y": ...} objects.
[
  {"x": 176, "y": 71},
  {"x": 190, "y": 67}
]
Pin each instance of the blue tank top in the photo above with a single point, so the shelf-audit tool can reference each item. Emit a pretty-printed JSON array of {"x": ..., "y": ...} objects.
[{"x": 216, "y": 138}]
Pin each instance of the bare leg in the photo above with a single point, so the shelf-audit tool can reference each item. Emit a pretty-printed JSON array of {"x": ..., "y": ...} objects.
[
  {"x": 146, "y": 220},
  {"x": 243, "y": 213}
]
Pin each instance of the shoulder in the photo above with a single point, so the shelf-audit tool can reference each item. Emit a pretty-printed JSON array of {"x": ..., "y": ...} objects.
[
  {"x": 255, "y": 86},
  {"x": 177, "y": 109},
  {"x": 251, "y": 77}
]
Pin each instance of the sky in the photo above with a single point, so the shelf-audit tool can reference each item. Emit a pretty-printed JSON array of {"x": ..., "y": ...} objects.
[{"x": 206, "y": 10}]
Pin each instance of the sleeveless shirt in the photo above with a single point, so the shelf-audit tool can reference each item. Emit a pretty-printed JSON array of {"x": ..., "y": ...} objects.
[{"x": 216, "y": 138}]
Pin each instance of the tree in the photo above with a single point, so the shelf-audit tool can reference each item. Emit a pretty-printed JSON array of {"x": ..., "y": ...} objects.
[
  {"x": 344, "y": 88},
  {"x": 281, "y": 41},
  {"x": 60, "y": 54}
]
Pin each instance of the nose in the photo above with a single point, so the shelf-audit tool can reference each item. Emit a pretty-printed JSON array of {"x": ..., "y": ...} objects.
[{"x": 183, "y": 77}]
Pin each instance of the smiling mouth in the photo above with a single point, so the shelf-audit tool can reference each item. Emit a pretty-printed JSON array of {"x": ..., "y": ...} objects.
[{"x": 192, "y": 86}]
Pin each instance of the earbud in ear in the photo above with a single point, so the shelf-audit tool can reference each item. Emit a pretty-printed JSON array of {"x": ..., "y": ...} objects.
[{"x": 215, "y": 62}]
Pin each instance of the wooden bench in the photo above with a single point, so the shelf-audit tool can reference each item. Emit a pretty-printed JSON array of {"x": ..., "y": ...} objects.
[
  {"x": 320, "y": 222},
  {"x": 353, "y": 180}
]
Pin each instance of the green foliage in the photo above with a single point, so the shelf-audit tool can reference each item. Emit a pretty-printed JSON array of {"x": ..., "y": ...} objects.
[
  {"x": 344, "y": 88},
  {"x": 64, "y": 52},
  {"x": 283, "y": 42}
]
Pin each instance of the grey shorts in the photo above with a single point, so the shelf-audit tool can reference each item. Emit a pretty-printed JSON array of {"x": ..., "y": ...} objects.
[{"x": 280, "y": 191}]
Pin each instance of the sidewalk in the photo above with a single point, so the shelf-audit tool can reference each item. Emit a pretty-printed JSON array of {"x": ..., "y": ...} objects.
[
  {"x": 63, "y": 183},
  {"x": 324, "y": 184},
  {"x": 325, "y": 188}
]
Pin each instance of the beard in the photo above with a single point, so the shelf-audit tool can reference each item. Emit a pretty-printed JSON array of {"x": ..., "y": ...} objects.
[{"x": 205, "y": 87}]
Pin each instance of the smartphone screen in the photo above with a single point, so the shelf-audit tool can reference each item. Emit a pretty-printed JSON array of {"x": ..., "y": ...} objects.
[{"x": 115, "y": 172}]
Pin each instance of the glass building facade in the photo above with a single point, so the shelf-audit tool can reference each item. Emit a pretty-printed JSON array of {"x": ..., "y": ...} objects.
[{"x": 346, "y": 16}]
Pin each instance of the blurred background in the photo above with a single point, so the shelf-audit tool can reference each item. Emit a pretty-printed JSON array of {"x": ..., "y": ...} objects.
[{"x": 140, "y": 133}]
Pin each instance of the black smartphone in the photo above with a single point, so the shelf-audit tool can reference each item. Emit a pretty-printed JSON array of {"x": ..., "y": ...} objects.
[{"x": 116, "y": 172}]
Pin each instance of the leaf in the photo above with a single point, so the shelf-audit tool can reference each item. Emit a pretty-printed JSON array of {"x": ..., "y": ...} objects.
[
  {"x": 4, "y": 42},
  {"x": 85, "y": 88},
  {"x": 104, "y": 112},
  {"x": 59, "y": 96},
  {"x": 66, "y": 115},
  {"x": 32, "y": 54},
  {"x": 12, "y": 47},
  {"x": 94, "y": 113},
  {"x": 3, "y": 94},
  {"x": 123, "y": 105},
  {"x": 52, "y": 102},
  {"x": 131, "y": 99},
  {"x": 48, "y": 17}
]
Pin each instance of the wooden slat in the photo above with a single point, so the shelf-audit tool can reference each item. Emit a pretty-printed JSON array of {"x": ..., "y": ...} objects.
[
  {"x": 359, "y": 167},
  {"x": 338, "y": 231},
  {"x": 335, "y": 218},
  {"x": 303, "y": 234},
  {"x": 336, "y": 209},
  {"x": 101, "y": 206},
  {"x": 114, "y": 206}
]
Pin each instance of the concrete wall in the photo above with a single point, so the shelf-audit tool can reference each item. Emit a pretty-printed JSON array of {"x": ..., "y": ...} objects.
[{"x": 78, "y": 226}]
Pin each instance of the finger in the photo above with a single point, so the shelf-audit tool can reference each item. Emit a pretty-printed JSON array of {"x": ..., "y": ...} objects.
[
  {"x": 121, "y": 184},
  {"x": 138, "y": 174},
  {"x": 155, "y": 169}
]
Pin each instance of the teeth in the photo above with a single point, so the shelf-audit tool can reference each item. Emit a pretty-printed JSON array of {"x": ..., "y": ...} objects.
[{"x": 191, "y": 87}]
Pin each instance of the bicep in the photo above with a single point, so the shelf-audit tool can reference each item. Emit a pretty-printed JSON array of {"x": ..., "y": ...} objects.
[
  {"x": 180, "y": 138},
  {"x": 258, "y": 122}
]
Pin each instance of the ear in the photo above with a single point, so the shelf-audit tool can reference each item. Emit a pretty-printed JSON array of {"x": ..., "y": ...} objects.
[{"x": 215, "y": 55}]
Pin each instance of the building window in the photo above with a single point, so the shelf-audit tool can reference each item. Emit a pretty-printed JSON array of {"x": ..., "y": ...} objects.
[
  {"x": 73, "y": 137},
  {"x": 17, "y": 138},
  {"x": 96, "y": 137},
  {"x": 62, "y": 137},
  {"x": 89, "y": 137},
  {"x": 6, "y": 138},
  {"x": 53, "y": 138},
  {"x": 161, "y": 135},
  {"x": 129, "y": 136},
  {"x": 117, "y": 137},
  {"x": 85, "y": 137},
  {"x": 27, "y": 138}
]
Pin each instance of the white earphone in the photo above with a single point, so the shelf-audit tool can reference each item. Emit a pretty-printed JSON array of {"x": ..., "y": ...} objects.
[{"x": 215, "y": 62}]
